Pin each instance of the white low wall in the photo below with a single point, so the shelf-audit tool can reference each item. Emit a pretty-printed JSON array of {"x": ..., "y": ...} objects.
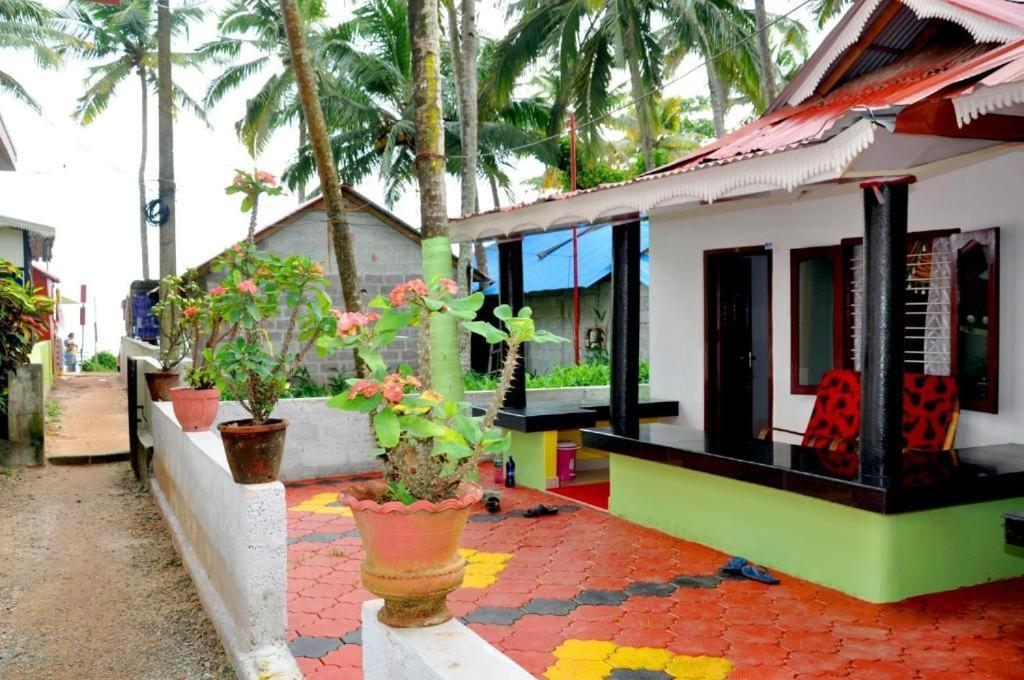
[
  {"x": 130, "y": 347},
  {"x": 320, "y": 441},
  {"x": 450, "y": 651},
  {"x": 232, "y": 540}
]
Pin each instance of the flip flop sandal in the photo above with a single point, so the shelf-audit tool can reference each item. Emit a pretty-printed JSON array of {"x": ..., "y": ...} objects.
[
  {"x": 540, "y": 511},
  {"x": 759, "y": 574},
  {"x": 493, "y": 504},
  {"x": 734, "y": 565}
]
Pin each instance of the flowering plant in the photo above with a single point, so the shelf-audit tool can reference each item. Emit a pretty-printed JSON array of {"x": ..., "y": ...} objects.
[
  {"x": 176, "y": 293},
  {"x": 251, "y": 185},
  {"x": 250, "y": 297},
  {"x": 428, "y": 444}
]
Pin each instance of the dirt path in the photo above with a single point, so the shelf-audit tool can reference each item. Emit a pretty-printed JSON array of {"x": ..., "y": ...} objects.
[
  {"x": 93, "y": 415},
  {"x": 90, "y": 585}
]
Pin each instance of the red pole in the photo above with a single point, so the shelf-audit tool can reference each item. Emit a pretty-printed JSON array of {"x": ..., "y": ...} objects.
[{"x": 575, "y": 246}]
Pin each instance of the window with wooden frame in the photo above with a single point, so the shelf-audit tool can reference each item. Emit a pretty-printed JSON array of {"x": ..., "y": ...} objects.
[
  {"x": 951, "y": 308},
  {"x": 816, "y": 303}
]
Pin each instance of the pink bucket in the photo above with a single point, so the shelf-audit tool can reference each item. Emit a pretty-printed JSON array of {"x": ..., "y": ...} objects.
[{"x": 566, "y": 465}]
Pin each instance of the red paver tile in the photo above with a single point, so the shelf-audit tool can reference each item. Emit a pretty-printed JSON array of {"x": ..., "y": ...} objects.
[
  {"x": 346, "y": 656},
  {"x": 807, "y": 641},
  {"x": 794, "y": 631},
  {"x": 757, "y": 654},
  {"x": 816, "y": 663},
  {"x": 880, "y": 670}
]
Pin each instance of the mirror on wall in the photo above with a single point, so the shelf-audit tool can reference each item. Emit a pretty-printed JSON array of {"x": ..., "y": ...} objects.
[{"x": 816, "y": 315}]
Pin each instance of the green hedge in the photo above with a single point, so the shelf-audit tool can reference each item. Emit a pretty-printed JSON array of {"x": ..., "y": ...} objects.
[{"x": 588, "y": 374}]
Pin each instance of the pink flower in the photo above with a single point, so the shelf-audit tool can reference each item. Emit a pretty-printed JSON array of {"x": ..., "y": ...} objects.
[
  {"x": 219, "y": 290},
  {"x": 367, "y": 388},
  {"x": 349, "y": 323},
  {"x": 450, "y": 286},
  {"x": 414, "y": 381},
  {"x": 237, "y": 248},
  {"x": 246, "y": 286},
  {"x": 266, "y": 178},
  {"x": 404, "y": 292},
  {"x": 318, "y": 269},
  {"x": 239, "y": 180},
  {"x": 190, "y": 312}
]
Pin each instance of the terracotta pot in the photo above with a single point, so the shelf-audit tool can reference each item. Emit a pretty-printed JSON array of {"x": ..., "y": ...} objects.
[
  {"x": 160, "y": 384},
  {"x": 412, "y": 552},
  {"x": 195, "y": 409},
  {"x": 253, "y": 451}
]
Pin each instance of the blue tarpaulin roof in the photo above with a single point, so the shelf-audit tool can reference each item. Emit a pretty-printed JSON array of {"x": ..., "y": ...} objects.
[{"x": 547, "y": 259}]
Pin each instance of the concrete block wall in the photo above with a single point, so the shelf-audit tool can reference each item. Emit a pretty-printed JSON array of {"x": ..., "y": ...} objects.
[
  {"x": 232, "y": 540},
  {"x": 26, "y": 431},
  {"x": 384, "y": 257},
  {"x": 552, "y": 311},
  {"x": 320, "y": 441}
]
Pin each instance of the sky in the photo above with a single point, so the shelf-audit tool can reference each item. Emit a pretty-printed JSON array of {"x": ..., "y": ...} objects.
[{"x": 83, "y": 181}]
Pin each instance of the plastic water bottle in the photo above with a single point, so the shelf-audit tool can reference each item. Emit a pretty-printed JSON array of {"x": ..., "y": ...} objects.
[
  {"x": 499, "y": 468},
  {"x": 510, "y": 472}
]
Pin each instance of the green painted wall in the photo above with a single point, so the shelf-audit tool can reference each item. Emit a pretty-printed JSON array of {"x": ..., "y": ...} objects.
[
  {"x": 534, "y": 453},
  {"x": 42, "y": 353},
  {"x": 879, "y": 558}
]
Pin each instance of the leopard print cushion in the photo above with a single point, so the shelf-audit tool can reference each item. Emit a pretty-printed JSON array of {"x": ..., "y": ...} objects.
[
  {"x": 836, "y": 413},
  {"x": 929, "y": 402}
]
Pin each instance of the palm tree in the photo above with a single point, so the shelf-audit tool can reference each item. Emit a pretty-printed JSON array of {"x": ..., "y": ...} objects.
[
  {"x": 587, "y": 41},
  {"x": 724, "y": 35},
  {"x": 312, "y": 110},
  {"x": 124, "y": 39},
  {"x": 249, "y": 27},
  {"x": 24, "y": 24},
  {"x": 369, "y": 105}
]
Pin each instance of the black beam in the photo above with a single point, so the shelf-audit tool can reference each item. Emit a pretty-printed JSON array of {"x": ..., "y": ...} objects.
[
  {"x": 882, "y": 329},
  {"x": 510, "y": 287},
  {"x": 625, "y": 387}
]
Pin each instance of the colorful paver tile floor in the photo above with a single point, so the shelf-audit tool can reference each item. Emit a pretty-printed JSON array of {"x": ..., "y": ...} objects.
[{"x": 584, "y": 595}]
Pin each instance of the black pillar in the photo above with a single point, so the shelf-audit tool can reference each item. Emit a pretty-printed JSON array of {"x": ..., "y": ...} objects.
[
  {"x": 625, "y": 388},
  {"x": 510, "y": 287},
  {"x": 882, "y": 329}
]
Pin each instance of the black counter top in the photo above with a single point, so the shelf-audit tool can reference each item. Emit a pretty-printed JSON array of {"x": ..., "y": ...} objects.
[
  {"x": 571, "y": 415},
  {"x": 931, "y": 480}
]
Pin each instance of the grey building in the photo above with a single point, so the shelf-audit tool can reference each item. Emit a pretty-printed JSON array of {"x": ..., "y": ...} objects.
[{"x": 387, "y": 252}]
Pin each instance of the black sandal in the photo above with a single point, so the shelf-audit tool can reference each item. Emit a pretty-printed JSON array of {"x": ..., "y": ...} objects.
[{"x": 540, "y": 511}]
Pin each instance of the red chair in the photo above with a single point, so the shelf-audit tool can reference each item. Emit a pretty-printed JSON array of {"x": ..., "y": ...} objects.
[
  {"x": 835, "y": 419},
  {"x": 931, "y": 413}
]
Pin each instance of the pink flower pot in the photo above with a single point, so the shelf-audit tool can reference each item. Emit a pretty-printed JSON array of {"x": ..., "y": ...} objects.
[
  {"x": 195, "y": 409},
  {"x": 412, "y": 552}
]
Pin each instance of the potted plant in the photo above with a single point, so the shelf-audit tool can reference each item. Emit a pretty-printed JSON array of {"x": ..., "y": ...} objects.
[
  {"x": 195, "y": 406},
  {"x": 257, "y": 290},
  {"x": 173, "y": 341},
  {"x": 412, "y": 520}
]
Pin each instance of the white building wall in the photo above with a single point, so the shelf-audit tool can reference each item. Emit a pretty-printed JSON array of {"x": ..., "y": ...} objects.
[
  {"x": 12, "y": 246},
  {"x": 984, "y": 195}
]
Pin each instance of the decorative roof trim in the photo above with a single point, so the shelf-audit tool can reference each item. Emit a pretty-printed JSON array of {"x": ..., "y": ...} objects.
[
  {"x": 970, "y": 107},
  {"x": 785, "y": 169},
  {"x": 843, "y": 41},
  {"x": 982, "y": 29}
]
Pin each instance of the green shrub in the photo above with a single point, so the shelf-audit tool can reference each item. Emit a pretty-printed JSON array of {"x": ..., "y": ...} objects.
[
  {"x": 595, "y": 371},
  {"x": 302, "y": 385},
  {"x": 52, "y": 410},
  {"x": 102, "y": 362}
]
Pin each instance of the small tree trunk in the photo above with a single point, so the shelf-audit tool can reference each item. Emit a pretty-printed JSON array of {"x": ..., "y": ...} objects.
[
  {"x": 165, "y": 121},
  {"x": 643, "y": 114},
  {"x": 337, "y": 221},
  {"x": 252, "y": 218},
  {"x": 768, "y": 86},
  {"x": 302, "y": 143},
  {"x": 445, "y": 366},
  {"x": 143, "y": 236},
  {"x": 718, "y": 102}
]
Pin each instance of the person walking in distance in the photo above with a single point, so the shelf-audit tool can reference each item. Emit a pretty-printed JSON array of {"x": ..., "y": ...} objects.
[{"x": 70, "y": 352}]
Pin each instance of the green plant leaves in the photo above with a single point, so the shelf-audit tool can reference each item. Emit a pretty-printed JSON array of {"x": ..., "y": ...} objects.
[
  {"x": 489, "y": 333},
  {"x": 387, "y": 427}
]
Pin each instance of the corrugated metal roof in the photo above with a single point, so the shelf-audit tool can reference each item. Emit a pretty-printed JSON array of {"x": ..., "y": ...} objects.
[{"x": 547, "y": 259}]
